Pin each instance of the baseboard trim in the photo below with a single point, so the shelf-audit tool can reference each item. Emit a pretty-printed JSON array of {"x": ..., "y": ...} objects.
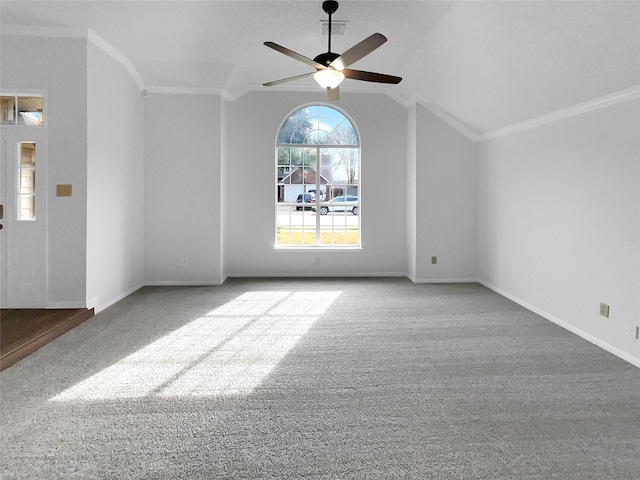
[
  {"x": 567, "y": 326},
  {"x": 445, "y": 280},
  {"x": 317, "y": 275},
  {"x": 114, "y": 300},
  {"x": 66, "y": 305},
  {"x": 183, "y": 283}
]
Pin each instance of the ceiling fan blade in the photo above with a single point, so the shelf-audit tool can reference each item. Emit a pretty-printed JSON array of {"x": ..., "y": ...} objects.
[
  {"x": 288, "y": 79},
  {"x": 359, "y": 50},
  {"x": 370, "y": 76},
  {"x": 334, "y": 94},
  {"x": 292, "y": 54}
]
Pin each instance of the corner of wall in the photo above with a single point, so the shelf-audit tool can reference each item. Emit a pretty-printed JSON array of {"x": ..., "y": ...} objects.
[
  {"x": 411, "y": 190},
  {"x": 224, "y": 105}
]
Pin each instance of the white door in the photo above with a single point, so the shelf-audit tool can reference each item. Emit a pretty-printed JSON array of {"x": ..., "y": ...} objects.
[{"x": 23, "y": 237}]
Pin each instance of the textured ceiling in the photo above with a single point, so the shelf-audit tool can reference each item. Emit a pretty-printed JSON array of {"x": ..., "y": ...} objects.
[{"x": 486, "y": 64}]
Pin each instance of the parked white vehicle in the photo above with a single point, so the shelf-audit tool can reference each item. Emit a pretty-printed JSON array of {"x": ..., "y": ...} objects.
[{"x": 343, "y": 203}]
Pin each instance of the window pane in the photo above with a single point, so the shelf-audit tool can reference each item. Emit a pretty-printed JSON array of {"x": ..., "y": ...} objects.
[
  {"x": 309, "y": 157},
  {"x": 303, "y": 114},
  {"x": 297, "y": 156},
  {"x": 317, "y": 126},
  {"x": 27, "y": 181},
  {"x": 284, "y": 136},
  {"x": 29, "y": 110},
  {"x": 27, "y": 154},
  {"x": 284, "y": 155},
  {"x": 339, "y": 165},
  {"x": 323, "y": 166},
  {"x": 339, "y": 127},
  {"x": 296, "y": 129},
  {"x": 27, "y": 207},
  {"x": 8, "y": 110}
]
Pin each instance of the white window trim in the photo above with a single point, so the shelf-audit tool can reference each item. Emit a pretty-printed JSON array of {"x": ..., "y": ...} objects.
[{"x": 318, "y": 246}]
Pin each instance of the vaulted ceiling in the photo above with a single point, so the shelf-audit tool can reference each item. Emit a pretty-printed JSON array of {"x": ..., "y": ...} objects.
[{"x": 487, "y": 65}]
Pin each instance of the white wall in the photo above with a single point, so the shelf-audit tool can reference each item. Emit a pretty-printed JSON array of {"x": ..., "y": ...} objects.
[
  {"x": 252, "y": 124},
  {"x": 560, "y": 222},
  {"x": 182, "y": 189},
  {"x": 115, "y": 182},
  {"x": 446, "y": 201},
  {"x": 59, "y": 66}
]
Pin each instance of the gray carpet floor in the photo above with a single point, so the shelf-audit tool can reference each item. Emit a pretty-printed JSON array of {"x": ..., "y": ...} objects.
[{"x": 314, "y": 378}]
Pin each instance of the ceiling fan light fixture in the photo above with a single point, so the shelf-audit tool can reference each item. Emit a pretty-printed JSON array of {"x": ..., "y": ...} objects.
[
  {"x": 331, "y": 68},
  {"x": 328, "y": 78}
]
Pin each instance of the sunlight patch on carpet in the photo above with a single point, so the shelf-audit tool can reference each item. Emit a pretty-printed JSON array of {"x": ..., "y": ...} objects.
[{"x": 227, "y": 352}]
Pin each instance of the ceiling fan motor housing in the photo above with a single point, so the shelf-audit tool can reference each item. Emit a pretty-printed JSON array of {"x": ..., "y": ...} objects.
[{"x": 326, "y": 58}]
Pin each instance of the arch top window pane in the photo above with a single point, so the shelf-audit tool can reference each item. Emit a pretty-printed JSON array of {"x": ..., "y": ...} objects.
[
  {"x": 317, "y": 125},
  {"x": 287, "y": 132},
  {"x": 319, "y": 137},
  {"x": 349, "y": 134}
]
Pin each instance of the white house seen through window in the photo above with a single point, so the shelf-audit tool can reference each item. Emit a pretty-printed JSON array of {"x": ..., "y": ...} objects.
[{"x": 317, "y": 180}]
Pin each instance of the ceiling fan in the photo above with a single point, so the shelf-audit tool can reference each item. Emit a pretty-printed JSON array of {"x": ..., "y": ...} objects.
[{"x": 331, "y": 68}]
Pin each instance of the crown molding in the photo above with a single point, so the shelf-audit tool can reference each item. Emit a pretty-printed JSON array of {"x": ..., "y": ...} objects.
[
  {"x": 185, "y": 90},
  {"x": 232, "y": 97},
  {"x": 109, "y": 49},
  {"x": 589, "y": 106},
  {"x": 448, "y": 119},
  {"x": 89, "y": 35}
]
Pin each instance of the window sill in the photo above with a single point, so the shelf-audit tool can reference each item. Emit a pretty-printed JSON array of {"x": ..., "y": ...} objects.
[{"x": 303, "y": 248}]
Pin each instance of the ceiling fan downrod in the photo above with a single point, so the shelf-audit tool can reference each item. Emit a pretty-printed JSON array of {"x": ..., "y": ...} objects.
[{"x": 329, "y": 7}]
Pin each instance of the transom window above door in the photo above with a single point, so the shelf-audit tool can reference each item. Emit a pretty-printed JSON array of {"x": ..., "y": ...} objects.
[
  {"x": 317, "y": 180},
  {"x": 21, "y": 110}
]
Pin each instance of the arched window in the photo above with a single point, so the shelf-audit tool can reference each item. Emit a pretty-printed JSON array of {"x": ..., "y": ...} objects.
[{"x": 317, "y": 180}]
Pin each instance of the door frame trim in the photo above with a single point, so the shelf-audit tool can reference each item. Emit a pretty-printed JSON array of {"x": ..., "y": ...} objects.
[{"x": 42, "y": 192}]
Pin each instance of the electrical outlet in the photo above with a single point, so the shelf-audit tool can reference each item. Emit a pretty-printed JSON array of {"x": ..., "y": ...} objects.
[
  {"x": 434, "y": 260},
  {"x": 604, "y": 310}
]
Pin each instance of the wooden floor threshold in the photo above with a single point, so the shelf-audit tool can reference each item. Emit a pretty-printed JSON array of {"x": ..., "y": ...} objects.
[{"x": 25, "y": 345}]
